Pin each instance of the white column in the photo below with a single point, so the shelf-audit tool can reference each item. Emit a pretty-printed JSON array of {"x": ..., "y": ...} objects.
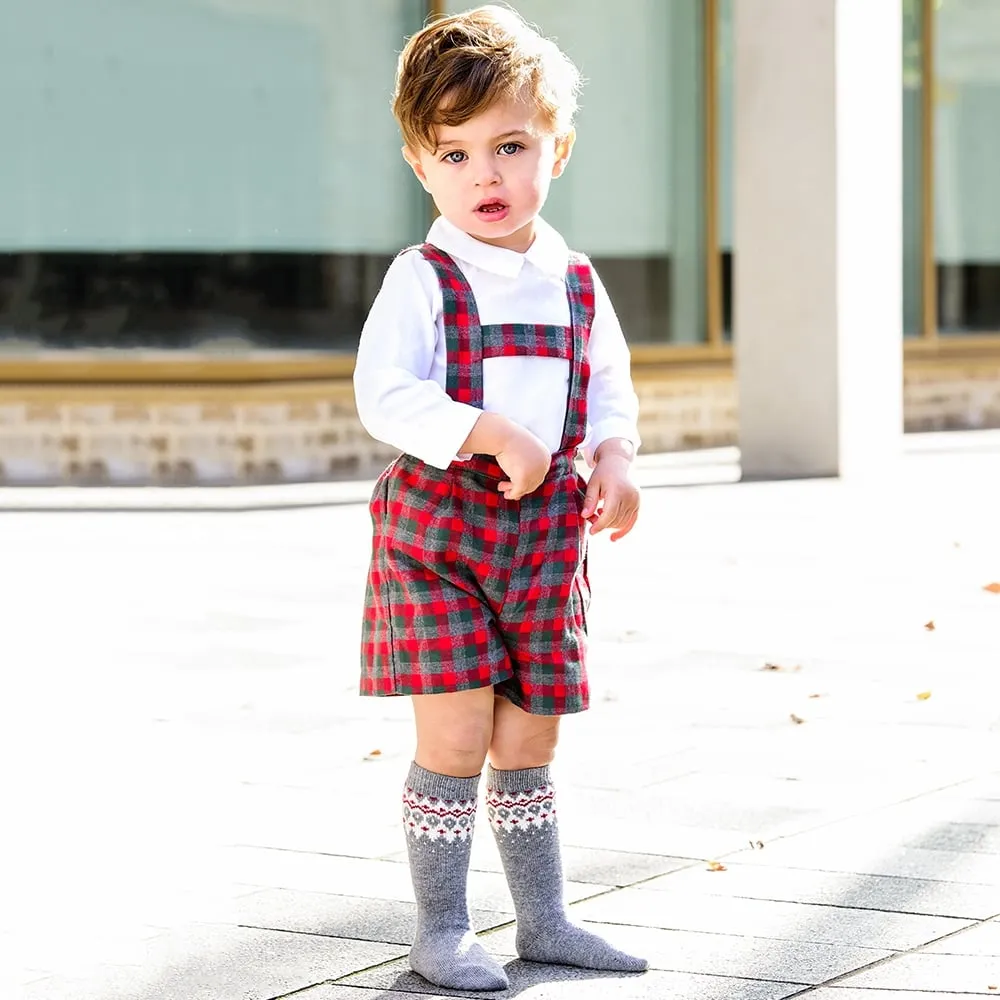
[{"x": 818, "y": 235}]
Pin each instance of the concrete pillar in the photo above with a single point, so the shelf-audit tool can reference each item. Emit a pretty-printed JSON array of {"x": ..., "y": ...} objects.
[{"x": 818, "y": 235}]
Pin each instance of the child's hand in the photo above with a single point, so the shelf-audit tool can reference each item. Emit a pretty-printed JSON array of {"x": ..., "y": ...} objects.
[
  {"x": 526, "y": 461},
  {"x": 611, "y": 483}
]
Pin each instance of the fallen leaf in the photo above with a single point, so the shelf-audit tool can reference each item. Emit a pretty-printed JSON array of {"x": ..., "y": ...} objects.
[
  {"x": 778, "y": 666},
  {"x": 716, "y": 866},
  {"x": 930, "y": 626},
  {"x": 923, "y": 695},
  {"x": 375, "y": 753},
  {"x": 815, "y": 696},
  {"x": 993, "y": 987},
  {"x": 796, "y": 719},
  {"x": 757, "y": 845},
  {"x": 992, "y": 588}
]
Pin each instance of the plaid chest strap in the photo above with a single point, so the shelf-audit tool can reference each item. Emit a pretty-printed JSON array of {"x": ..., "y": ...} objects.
[{"x": 469, "y": 341}]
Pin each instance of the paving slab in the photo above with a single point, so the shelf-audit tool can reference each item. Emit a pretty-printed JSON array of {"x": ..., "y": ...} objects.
[
  {"x": 381, "y": 879},
  {"x": 827, "y": 850},
  {"x": 875, "y": 892},
  {"x": 587, "y": 865},
  {"x": 356, "y": 917},
  {"x": 788, "y": 921},
  {"x": 983, "y": 939},
  {"x": 846, "y": 993},
  {"x": 972, "y": 838},
  {"x": 552, "y": 982},
  {"x": 222, "y": 963},
  {"x": 805, "y": 962},
  {"x": 947, "y": 973}
]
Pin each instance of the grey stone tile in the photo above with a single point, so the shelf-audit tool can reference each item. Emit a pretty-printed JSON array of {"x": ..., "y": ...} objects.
[
  {"x": 805, "y": 962},
  {"x": 876, "y": 892},
  {"x": 582, "y": 865},
  {"x": 842, "y": 993},
  {"x": 616, "y": 868},
  {"x": 555, "y": 982},
  {"x": 767, "y": 918},
  {"x": 355, "y": 917},
  {"x": 948, "y": 973},
  {"x": 983, "y": 939},
  {"x": 377, "y": 879},
  {"x": 975, "y": 838},
  {"x": 828, "y": 851},
  {"x": 685, "y": 825},
  {"x": 223, "y": 963}
]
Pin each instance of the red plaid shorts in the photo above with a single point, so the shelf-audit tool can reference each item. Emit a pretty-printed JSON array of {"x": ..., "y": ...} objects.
[{"x": 468, "y": 589}]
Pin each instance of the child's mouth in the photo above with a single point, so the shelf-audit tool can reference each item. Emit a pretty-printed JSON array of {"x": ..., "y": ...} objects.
[{"x": 492, "y": 210}]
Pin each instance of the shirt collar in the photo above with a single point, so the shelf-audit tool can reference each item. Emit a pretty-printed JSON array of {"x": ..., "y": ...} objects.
[{"x": 548, "y": 253}]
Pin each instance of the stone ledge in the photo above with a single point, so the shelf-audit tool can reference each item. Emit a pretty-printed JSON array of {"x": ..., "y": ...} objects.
[{"x": 309, "y": 431}]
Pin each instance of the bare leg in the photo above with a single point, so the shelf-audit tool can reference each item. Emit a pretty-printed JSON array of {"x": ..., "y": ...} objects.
[
  {"x": 439, "y": 809},
  {"x": 454, "y": 731},
  {"x": 520, "y": 740}
]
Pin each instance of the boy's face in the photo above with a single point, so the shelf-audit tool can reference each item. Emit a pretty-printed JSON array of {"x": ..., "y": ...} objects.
[{"x": 490, "y": 176}]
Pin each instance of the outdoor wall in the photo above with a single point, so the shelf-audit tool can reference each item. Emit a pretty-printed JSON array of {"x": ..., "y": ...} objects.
[{"x": 303, "y": 431}]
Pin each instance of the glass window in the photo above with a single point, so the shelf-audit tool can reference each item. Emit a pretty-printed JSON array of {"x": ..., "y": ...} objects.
[
  {"x": 199, "y": 173},
  {"x": 725, "y": 54},
  {"x": 632, "y": 195},
  {"x": 913, "y": 211},
  {"x": 966, "y": 152}
]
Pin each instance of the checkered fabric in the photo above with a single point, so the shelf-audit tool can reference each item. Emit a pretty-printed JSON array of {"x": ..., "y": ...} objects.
[{"x": 466, "y": 588}]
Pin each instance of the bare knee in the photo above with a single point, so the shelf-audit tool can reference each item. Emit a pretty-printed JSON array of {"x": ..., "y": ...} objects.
[
  {"x": 459, "y": 752},
  {"x": 453, "y": 731},
  {"x": 521, "y": 740}
]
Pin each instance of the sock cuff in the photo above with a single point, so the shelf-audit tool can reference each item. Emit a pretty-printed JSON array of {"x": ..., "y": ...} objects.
[
  {"x": 438, "y": 807},
  {"x": 525, "y": 780},
  {"x": 432, "y": 785},
  {"x": 520, "y": 800}
]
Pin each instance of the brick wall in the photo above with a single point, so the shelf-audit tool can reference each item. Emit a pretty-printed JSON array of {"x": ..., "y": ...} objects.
[{"x": 300, "y": 431}]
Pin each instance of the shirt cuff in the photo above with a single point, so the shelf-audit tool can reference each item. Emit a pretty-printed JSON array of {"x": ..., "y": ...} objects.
[
  {"x": 441, "y": 452},
  {"x": 612, "y": 427}
]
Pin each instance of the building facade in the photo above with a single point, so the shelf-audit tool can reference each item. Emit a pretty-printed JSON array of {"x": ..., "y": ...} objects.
[{"x": 198, "y": 199}]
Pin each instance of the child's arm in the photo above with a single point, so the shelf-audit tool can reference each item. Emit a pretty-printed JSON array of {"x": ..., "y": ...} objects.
[
  {"x": 400, "y": 403},
  {"x": 612, "y": 435},
  {"x": 397, "y": 399}
]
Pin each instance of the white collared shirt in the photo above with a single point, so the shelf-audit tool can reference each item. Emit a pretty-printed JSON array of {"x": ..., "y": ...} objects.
[{"x": 399, "y": 378}]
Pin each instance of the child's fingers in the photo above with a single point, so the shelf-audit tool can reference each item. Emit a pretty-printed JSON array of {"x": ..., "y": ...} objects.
[
  {"x": 625, "y": 527},
  {"x": 591, "y": 499},
  {"x": 607, "y": 517}
]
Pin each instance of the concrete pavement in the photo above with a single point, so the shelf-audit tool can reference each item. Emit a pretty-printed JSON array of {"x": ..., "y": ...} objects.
[{"x": 199, "y": 807}]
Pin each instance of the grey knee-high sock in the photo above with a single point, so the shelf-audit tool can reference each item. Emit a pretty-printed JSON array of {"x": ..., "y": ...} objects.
[
  {"x": 521, "y": 806},
  {"x": 439, "y": 814}
]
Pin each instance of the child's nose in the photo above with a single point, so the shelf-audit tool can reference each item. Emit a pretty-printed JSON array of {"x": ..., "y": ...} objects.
[{"x": 487, "y": 174}]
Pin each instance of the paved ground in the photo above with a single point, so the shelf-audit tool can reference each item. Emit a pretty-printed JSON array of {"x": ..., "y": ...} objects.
[{"x": 198, "y": 807}]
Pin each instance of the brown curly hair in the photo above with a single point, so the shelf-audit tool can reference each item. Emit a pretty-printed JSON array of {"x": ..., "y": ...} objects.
[{"x": 458, "y": 66}]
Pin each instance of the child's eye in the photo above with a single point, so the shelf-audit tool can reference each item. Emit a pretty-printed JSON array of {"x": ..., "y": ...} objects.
[
  {"x": 455, "y": 156},
  {"x": 510, "y": 148}
]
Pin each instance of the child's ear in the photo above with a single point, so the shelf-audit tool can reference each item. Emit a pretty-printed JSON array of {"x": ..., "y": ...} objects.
[
  {"x": 414, "y": 161},
  {"x": 564, "y": 149}
]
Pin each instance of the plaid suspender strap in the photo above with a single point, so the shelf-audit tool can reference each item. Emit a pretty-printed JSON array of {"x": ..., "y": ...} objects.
[{"x": 468, "y": 341}]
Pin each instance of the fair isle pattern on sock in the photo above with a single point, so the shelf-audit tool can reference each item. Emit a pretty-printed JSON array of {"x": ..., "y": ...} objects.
[
  {"x": 521, "y": 810},
  {"x": 442, "y": 820}
]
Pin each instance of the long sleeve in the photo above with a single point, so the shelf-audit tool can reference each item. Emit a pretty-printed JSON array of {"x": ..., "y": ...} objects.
[
  {"x": 612, "y": 405},
  {"x": 398, "y": 399}
]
